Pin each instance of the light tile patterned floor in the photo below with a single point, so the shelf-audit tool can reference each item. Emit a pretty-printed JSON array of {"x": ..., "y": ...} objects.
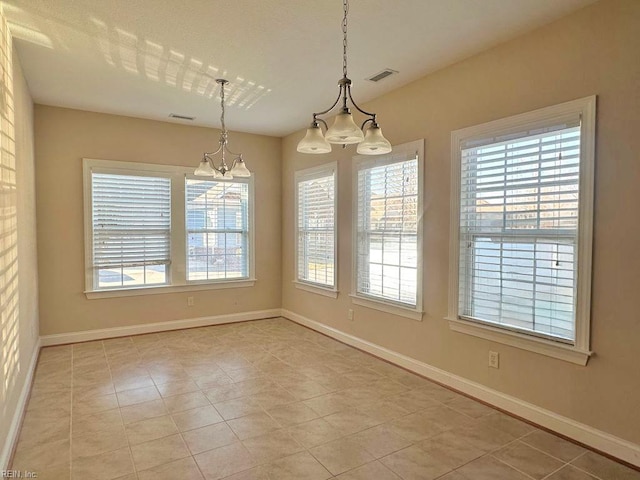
[{"x": 270, "y": 400}]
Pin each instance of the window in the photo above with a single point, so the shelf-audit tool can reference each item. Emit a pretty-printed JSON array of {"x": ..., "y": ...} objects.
[
  {"x": 131, "y": 218},
  {"x": 217, "y": 229},
  {"x": 316, "y": 227},
  {"x": 156, "y": 228},
  {"x": 388, "y": 237},
  {"x": 523, "y": 203}
]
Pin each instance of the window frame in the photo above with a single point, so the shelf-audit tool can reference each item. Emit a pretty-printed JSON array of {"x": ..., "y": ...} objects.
[
  {"x": 371, "y": 301},
  {"x": 177, "y": 268},
  {"x": 320, "y": 171},
  {"x": 577, "y": 352}
]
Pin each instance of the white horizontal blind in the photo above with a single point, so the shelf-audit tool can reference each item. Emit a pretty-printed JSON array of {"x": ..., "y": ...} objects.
[
  {"x": 316, "y": 225},
  {"x": 387, "y": 229},
  {"x": 519, "y": 230},
  {"x": 217, "y": 230},
  {"x": 131, "y": 220}
]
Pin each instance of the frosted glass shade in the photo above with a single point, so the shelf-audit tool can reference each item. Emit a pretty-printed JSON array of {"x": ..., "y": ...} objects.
[
  {"x": 314, "y": 141},
  {"x": 205, "y": 169},
  {"x": 240, "y": 169},
  {"x": 374, "y": 142},
  {"x": 344, "y": 130}
]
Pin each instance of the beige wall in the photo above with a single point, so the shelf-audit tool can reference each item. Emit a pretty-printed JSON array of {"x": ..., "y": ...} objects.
[
  {"x": 63, "y": 138},
  {"x": 18, "y": 273},
  {"x": 594, "y": 51}
]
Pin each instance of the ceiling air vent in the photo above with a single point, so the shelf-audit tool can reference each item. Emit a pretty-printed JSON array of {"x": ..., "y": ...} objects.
[
  {"x": 181, "y": 117},
  {"x": 381, "y": 75}
]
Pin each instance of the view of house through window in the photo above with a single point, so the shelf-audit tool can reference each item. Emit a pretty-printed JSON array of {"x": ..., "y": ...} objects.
[{"x": 217, "y": 229}]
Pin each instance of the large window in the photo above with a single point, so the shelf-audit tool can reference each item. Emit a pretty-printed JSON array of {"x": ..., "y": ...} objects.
[
  {"x": 388, "y": 228},
  {"x": 153, "y": 228},
  {"x": 523, "y": 199},
  {"x": 316, "y": 226}
]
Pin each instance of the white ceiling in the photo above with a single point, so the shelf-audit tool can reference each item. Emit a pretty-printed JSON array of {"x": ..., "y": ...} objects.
[{"x": 283, "y": 58}]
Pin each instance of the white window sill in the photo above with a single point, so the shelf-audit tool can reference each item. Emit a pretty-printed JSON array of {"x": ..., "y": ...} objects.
[
  {"x": 523, "y": 341},
  {"x": 161, "y": 289},
  {"x": 387, "y": 307},
  {"x": 307, "y": 287}
]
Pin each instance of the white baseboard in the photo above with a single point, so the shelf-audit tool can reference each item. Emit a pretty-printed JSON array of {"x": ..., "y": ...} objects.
[
  {"x": 100, "y": 334},
  {"x": 592, "y": 437},
  {"x": 14, "y": 429}
]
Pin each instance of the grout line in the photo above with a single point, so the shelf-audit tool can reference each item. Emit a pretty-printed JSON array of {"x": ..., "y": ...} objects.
[
  {"x": 549, "y": 454},
  {"x": 583, "y": 470},
  {"x": 228, "y": 346}
]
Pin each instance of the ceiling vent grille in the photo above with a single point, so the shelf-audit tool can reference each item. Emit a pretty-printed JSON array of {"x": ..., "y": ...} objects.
[
  {"x": 382, "y": 75},
  {"x": 181, "y": 117}
]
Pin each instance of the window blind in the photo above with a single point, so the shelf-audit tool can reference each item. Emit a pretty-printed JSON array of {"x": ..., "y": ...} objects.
[
  {"x": 316, "y": 228},
  {"x": 519, "y": 230},
  {"x": 131, "y": 218},
  {"x": 387, "y": 229}
]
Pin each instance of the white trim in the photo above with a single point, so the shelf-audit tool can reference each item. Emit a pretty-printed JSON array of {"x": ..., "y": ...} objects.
[
  {"x": 580, "y": 432},
  {"x": 399, "y": 153},
  {"x": 318, "y": 289},
  {"x": 11, "y": 438},
  {"x": 531, "y": 343},
  {"x": 307, "y": 174},
  {"x": 387, "y": 307},
  {"x": 100, "y": 334},
  {"x": 161, "y": 289},
  {"x": 586, "y": 108}
]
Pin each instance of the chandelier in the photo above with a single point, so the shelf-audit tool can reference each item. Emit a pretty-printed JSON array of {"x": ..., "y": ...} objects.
[
  {"x": 207, "y": 167},
  {"x": 344, "y": 130}
]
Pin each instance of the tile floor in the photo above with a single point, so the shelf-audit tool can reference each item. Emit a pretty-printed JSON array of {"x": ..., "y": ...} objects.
[{"x": 269, "y": 400}]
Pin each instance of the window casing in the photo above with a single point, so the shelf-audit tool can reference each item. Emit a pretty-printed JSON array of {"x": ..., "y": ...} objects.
[
  {"x": 522, "y": 209},
  {"x": 316, "y": 228},
  {"x": 388, "y": 231},
  {"x": 141, "y": 222}
]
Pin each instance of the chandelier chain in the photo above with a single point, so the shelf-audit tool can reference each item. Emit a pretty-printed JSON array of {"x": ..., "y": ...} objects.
[
  {"x": 224, "y": 128},
  {"x": 345, "y": 4}
]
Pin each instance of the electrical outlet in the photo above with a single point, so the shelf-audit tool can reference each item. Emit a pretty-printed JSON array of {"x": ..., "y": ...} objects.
[
  {"x": 350, "y": 314},
  {"x": 494, "y": 359},
  {"x": 190, "y": 301}
]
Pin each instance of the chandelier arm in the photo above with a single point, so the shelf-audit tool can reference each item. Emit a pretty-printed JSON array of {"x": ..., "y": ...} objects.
[
  {"x": 367, "y": 121},
  {"x": 373, "y": 115},
  {"x": 211, "y": 162},
  {"x": 232, "y": 153},
  {"x": 322, "y": 121},
  {"x": 210, "y": 154},
  {"x": 332, "y": 106}
]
